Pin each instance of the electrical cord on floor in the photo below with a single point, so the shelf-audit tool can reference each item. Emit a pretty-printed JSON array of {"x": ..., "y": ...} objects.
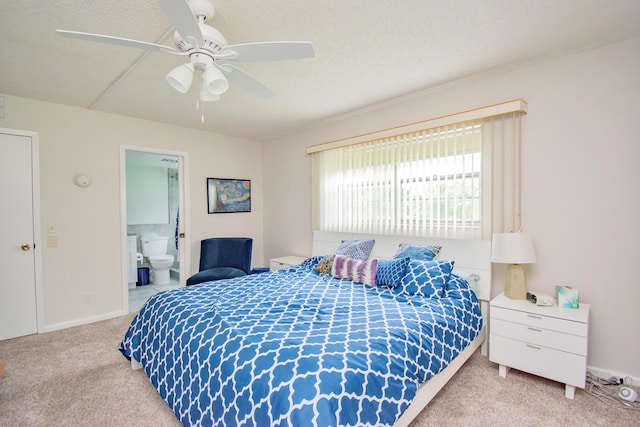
[{"x": 607, "y": 391}]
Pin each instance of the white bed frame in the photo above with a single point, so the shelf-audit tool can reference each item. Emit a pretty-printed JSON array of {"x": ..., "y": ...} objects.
[{"x": 473, "y": 256}]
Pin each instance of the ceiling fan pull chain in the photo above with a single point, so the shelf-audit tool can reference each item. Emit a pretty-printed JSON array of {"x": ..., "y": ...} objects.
[{"x": 201, "y": 108}]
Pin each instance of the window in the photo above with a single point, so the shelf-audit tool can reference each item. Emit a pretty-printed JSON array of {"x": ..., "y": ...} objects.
[
  {"x": 455, "y": 176},
  {"x": 425, "y": 183}
]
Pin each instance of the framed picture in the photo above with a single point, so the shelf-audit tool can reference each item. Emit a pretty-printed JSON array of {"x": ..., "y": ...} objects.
[{"x": 228, "y": 195}]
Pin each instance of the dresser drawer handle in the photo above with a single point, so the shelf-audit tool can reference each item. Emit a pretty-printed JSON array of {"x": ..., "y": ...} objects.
[
  {"x": 534, "y": 347},
  {"x": 533, "y": 316},
  {"x": 534, "y": 329}
]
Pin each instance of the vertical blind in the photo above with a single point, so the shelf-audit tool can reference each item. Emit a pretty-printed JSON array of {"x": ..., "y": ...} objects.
[{"x": 454, "y": 181}]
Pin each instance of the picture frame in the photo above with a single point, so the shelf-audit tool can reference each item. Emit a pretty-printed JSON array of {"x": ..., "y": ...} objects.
[{"x": 228, "y": 195}]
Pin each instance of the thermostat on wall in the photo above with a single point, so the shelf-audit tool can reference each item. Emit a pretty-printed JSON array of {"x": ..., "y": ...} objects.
[{"x": 82, "y": 180}]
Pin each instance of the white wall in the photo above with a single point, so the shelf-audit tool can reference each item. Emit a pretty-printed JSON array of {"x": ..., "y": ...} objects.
[
  {"x": 581, "y": 157},
  {"x": 88, "y": 259}
]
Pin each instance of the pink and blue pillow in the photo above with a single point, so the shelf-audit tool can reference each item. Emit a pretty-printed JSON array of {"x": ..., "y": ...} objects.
[
  {"x": 363, "y": 271},
  {"x": 426, "y": 278}
]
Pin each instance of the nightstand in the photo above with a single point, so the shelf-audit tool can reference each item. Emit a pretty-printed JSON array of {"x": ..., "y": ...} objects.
[
  {"x": 285, "y": 262},
  {"x": 550, "y": 342}
]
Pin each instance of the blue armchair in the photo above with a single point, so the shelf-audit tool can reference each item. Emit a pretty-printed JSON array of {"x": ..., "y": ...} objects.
[{"x": 223, "y": 258}]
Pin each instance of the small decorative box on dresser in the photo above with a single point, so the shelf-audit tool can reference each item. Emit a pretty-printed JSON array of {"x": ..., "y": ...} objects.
[
  {"x": 285, "y": 262},
  {"x": 550, "y": 342}
]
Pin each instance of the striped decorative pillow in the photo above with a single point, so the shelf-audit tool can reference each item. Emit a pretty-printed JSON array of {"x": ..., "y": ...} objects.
[{"x": 363, "y": 271}]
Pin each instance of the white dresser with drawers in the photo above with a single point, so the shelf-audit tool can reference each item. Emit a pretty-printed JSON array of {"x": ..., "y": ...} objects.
[{"x": 550, "y": 342}]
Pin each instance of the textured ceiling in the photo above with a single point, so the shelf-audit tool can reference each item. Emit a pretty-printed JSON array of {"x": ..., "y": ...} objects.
[{"x": 367, "y": 51}]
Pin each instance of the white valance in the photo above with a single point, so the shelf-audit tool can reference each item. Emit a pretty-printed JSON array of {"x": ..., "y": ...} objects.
[{"x": 518, "y": 105}]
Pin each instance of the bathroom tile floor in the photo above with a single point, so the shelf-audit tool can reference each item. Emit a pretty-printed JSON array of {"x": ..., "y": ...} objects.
[{"x": 140, "y": 294}]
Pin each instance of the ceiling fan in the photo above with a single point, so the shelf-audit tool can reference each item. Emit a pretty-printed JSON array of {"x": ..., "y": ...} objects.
[{"x": 207, "y": 51}]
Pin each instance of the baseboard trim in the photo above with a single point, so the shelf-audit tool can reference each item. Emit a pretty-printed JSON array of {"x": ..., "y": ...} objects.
[
  {"x": 607, "y": 374},
  {"x": 83, "y": 321}
]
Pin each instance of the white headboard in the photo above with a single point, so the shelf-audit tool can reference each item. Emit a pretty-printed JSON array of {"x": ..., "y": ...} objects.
[{"x": 473, "y": 256}]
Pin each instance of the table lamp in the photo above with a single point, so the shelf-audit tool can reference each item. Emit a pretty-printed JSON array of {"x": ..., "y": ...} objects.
[{"x": 513, "y": 249}]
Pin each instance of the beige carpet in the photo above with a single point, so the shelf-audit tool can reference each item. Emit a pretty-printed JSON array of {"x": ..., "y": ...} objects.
[{"x": 77, "y": 377}]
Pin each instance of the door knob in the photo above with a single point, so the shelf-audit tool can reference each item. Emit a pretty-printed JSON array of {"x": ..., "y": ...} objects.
[{"x": 25, "y": 247}]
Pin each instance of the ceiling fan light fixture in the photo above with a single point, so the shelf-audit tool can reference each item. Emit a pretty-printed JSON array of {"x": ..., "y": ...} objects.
[
  {"x": 206, "y": 47},
  {"x": 180, "y": 78},
  {"x": 207, "y": 96},
  {"x": 214, "y": 80}
]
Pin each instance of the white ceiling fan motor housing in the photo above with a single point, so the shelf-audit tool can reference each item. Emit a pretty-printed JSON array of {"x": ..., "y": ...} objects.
[{"x": 214, "y": 41}]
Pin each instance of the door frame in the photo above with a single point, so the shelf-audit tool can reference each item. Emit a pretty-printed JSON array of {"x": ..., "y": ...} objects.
[
  {"x": 37, "y": 225},
  {"x": 184, "y": 253}
]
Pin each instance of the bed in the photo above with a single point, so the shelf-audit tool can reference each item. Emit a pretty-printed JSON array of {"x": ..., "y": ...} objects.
[{"x": 295, "y": 347}]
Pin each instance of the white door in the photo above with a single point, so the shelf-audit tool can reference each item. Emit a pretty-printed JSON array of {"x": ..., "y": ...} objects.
[{"x": 18, "y": 314}]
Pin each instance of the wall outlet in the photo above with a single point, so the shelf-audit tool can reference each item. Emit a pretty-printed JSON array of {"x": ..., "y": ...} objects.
[
  {"x": 87, "y": 298},
  {"x": 1, "y": 106}
]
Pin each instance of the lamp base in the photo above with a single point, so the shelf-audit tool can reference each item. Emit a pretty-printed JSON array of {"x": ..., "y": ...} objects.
[{"x": 515, "y": 287}]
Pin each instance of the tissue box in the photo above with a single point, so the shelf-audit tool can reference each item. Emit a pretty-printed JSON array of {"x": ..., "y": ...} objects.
[{"x": 567, "y": 297}]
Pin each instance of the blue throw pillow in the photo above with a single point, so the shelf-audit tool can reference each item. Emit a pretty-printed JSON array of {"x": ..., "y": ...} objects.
[
  {"x": 357, "y": 249},
  {"x": 391, "y": 271},
  {"x": 426, "y": 278},
  {"x": 424, "y": 253}
]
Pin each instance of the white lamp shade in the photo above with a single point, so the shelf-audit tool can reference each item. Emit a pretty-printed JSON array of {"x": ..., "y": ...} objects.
[
  {"x": 207, "y": 96},
  {"x": 512, "y": 248},
  {"x": 180, "y": 78},
  {"x": 215, "y": 81}
]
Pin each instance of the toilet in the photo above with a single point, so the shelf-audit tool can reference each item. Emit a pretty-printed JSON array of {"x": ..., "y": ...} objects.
[{"x": 155, "y": 249}]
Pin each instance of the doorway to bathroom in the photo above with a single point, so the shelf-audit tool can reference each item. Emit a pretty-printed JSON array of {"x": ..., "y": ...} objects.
[{"x": 154, "y": 213}]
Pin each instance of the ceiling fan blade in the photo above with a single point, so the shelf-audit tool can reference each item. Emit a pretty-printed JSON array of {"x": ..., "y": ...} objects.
[
  {"x": 116, "y": 40},
  {"x": 268, "y": 51},
  {"x": 246, "y": 81},
  {"x": 181, "y": 16}
]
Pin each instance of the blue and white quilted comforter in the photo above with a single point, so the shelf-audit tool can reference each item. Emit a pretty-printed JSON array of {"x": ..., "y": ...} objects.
[{"x": 292, "y": 347}]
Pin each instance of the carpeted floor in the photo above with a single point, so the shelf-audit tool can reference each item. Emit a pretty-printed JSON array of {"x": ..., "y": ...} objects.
[{"x": 77, "y": 377}]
